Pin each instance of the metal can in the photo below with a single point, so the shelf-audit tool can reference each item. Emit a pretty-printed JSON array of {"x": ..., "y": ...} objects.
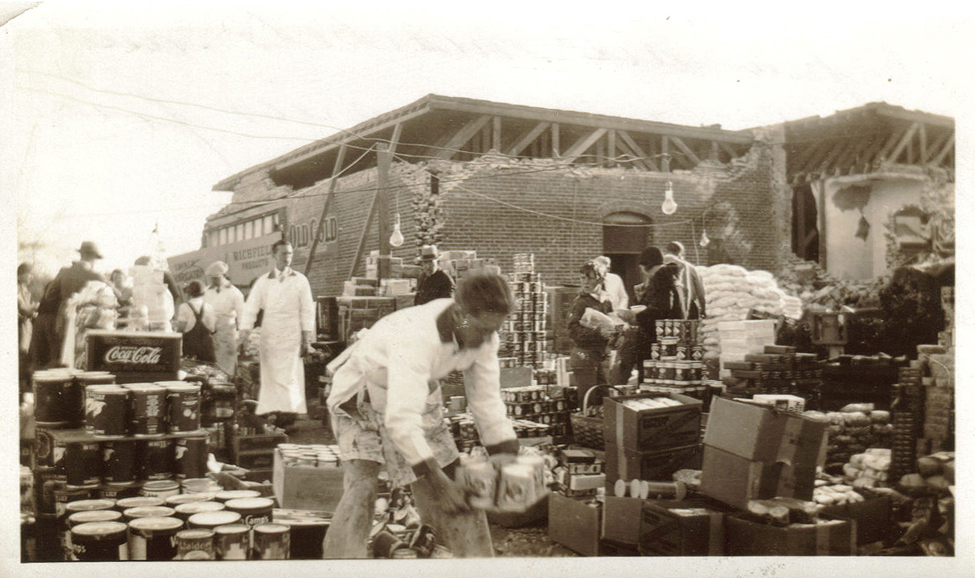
[
  {"x": 75, "y": 507},
  {"x": 157, "y": 457},
  {"x": 148, "y": 408},
  {"x": 195, "y": 544},
  {"x": 213, "y": 519},
  {"x": 231, "y": 541},
  {"x": 385, "y": 544},
  {"x": 99, "y": 541},
  {"x": 253, "y": 511},
  {"x": 660, "y": 328},
  {"x": 123, "y": 504},
  {"x": 178, "y": 499},
  {"x": 52, "y": 398},
  {"x": 200, "y": 485},
  {"x": 119, "y": 491},
  {"x": 119, "y": 461},
  {"x": 106, "y": 410},
  {"x": 481, "y": 478},
  {"x": 185, "y": 511},
  {"x": 680, "y": 373},
  {"x": 64, "y": 494},
  {"x": 228, "y": 495},
  {"x": 153, "y": 538},
  {"x": 681, "y": 352},
  {"x": 78, "y": 396},
  {"x": 697, "y": 352},
  {"x": 83, "y": 463},
  {"x": 271, "y": 542},
  {"x": 191, "y": 457},
  {"x": 130, "y": 514},
  {"x": 307, "y": 533},
  {"x": 160, "y": 489},
  {"x": 655, "y": 351},
  {"x": 183, "y": 401}
]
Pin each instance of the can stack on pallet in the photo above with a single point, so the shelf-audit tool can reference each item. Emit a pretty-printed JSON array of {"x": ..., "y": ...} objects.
[
  {"x": 907, "y": 416},
  {"x": 524, "y": 332},
  {"x": 776, "y": 369},
  {"x": 676, "y": 363},
  {"x": 533, "y": 403}
]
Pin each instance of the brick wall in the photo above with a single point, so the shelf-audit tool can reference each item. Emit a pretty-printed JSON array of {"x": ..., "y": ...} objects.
[{"x": 553, "y": 212}]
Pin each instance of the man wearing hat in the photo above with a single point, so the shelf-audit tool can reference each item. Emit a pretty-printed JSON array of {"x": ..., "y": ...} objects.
[
  {"x": 45, "y": 350},
  {"x": 433, "y": 282},
  {"x": 228, "y": 303}
]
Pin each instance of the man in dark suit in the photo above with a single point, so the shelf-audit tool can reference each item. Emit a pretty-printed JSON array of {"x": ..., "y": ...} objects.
[
  {"x": 433, "y": 282},
  {"x": 45, "y": 348}
]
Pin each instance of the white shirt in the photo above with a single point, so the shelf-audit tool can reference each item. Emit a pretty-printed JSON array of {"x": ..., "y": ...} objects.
[
  {"x": 400, "y": 359},
  {"x": 186, "y": 319},
  {"x": 613, "y": 285}
]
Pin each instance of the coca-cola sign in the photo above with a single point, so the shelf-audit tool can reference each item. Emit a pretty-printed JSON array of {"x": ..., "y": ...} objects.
[
  {"x": 131, "y": 352},
  {"x": 133, "y": 355}
]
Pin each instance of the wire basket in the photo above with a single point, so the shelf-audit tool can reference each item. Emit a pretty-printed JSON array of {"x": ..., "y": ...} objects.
[{"x": 587, "y": 431}]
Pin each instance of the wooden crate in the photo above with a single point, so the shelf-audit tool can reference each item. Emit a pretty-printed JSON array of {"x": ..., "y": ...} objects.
[{"x": 306, "y": 488}]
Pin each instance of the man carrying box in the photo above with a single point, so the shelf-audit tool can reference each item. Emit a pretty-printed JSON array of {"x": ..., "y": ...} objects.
[{"x": 386, "y": 409}]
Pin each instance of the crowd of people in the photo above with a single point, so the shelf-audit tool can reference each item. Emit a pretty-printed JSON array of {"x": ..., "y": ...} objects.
[{"x": 671, "y": 289}]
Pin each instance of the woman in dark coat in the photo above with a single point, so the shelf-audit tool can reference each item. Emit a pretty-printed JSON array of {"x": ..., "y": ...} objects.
[
  {"x": 661, "y": 301},
  {"x": 588, "y": 344}
]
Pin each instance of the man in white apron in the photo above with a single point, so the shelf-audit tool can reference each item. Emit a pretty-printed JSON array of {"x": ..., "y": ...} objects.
[
  {"x": 287, "y": 330},
  {"x": 386, "y": 406},
  {"x": 228, "y": 303}
]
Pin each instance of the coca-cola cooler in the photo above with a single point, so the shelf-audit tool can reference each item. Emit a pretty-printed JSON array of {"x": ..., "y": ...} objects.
[{"x": 135, "y": 356}]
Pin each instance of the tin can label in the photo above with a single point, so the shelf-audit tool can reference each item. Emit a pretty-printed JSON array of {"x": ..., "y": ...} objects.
[
  {"x": 119, "y": 461},
  {"x": 83, "y": 463}
]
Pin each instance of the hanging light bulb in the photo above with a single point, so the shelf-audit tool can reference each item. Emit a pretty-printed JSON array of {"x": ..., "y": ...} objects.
[
  {"x": 704, "y": 239},
  {"x": 669, "y": 206},
  {"x": 396, "y": 239}
]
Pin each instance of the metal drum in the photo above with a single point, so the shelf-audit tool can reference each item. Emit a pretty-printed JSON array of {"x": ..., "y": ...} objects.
[
  {"x": 106, "y": 410},
  {"x": 148, "y": 409}
]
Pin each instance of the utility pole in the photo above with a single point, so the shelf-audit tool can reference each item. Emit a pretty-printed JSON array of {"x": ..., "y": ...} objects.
[{"x": 383, "y": 159}]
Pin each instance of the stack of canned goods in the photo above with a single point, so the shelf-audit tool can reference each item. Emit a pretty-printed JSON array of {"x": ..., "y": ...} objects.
[
  {"x": 524, "y": 331},
  {"x": 310, "y": 455},
  {"x": 676, "y": 362},
  {"x": 532, "y": 403}
]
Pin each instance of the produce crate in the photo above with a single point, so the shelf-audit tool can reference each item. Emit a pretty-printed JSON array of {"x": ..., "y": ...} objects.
[
  {"x": 684, "y": 528},
  {"x": 574, "y": 524},
  {"x": 627, "y": 464}
]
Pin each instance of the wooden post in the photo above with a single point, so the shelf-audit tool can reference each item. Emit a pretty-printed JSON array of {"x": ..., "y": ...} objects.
[
  {"x": 496, "y": 134},
  {"x": 664, "y": 150},
  {"x": 339, "y": 160},
  {"x": 611, "y": 147},
  {"x": 382, "y": 160},
  {"x": 555, "y": 140}
]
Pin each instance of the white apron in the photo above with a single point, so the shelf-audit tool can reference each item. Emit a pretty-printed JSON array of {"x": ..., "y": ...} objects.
[
  {"x": 282, "y": 370},
  {"x": 228, "y": 305}
]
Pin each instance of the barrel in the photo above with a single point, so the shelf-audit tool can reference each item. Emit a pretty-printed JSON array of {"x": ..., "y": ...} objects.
[
  {"x": 51, "y": 398},
  {"x": 148, "y": 409},
  {"x": 99, "y": 541},
  {"x": 83, "y": 463},
  {"x": 157, "y": 457},
  {"x": 195, "y": 544},
  {"x": 160, "y": 489},
  {"x": 119, "y": 461},
  {"x": 307, "y": 533},
  {"x": 153, "y": 538},
  {"x": 213, "y": 519},
  {"x": 185, "y": 511},
  {"x": 271, "y": 542},
  {"x": 231, "y": 541},
  {"x": 183, "y": 402},
  {"x": 106, "y": 410},
  {"x": 191, "y": 457}
]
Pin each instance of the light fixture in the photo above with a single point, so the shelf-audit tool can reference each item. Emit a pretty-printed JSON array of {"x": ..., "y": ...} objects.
[
  {"x": 396, "y": 239},
  {"x": 704, "y": 239},
  {"x": 669, "y": 206}
]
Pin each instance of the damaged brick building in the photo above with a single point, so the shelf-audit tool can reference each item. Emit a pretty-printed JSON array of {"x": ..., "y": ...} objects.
[{"x": 502, "y": 179}]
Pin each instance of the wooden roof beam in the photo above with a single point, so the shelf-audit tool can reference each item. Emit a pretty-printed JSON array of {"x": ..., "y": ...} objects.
[
  {"x": 637, "y": 160},
  {"x": 527, "y": 138},
  {"x": 461, "y": 137},
  {"x": 936, "y": 146},
  {"x": 847, "y": 157},
  {"x": 583, "y": 144},
  {"x": 944, "y": 150},
  {"x": 631, "y": 142},
  {"x": 813, "y": 156},
  {"x": 686, "y": 150},
  {"x": 908, "y": 134}
]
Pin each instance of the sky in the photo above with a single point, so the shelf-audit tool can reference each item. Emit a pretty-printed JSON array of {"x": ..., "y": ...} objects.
[
  {"x": 121, "y": 117},
  {"x": 116, "y": 118}
]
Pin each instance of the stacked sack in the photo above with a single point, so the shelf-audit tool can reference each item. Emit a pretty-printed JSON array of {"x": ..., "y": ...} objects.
[
  {"x": 732, "y": 291},
  {"x": 853, "y": 429},
  {"x": 93, "y": 307},
  {"x": 869, "y": 469}
]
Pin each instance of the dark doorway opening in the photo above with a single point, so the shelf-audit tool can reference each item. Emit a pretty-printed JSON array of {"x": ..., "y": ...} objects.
[
  {"x": 625, "y": 235},
  {"x": 805, "y": 223}
]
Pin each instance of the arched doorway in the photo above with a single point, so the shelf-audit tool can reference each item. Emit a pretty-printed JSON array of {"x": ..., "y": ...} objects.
[{"x": 625, "y": 235}]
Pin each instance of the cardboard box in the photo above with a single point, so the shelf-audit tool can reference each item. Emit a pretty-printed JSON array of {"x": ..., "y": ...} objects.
[
  {"x": 827, "y": 538},
  {"x": 574, "y": 524},
  {"x": 792, "y": 403},
  {"x": 735, "y": 480},
  {"x": 761, "y": 434},
  {"x": 685, "y": 528},
  {"x": 516, "y": 377},
  {"x": 652, "y": 429},
  {"x": 621, "y": 520},
  {"x": 627, "y": 464},
  {"x": 872, "y": 517},
  {"x": 306, "y": 488}
]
